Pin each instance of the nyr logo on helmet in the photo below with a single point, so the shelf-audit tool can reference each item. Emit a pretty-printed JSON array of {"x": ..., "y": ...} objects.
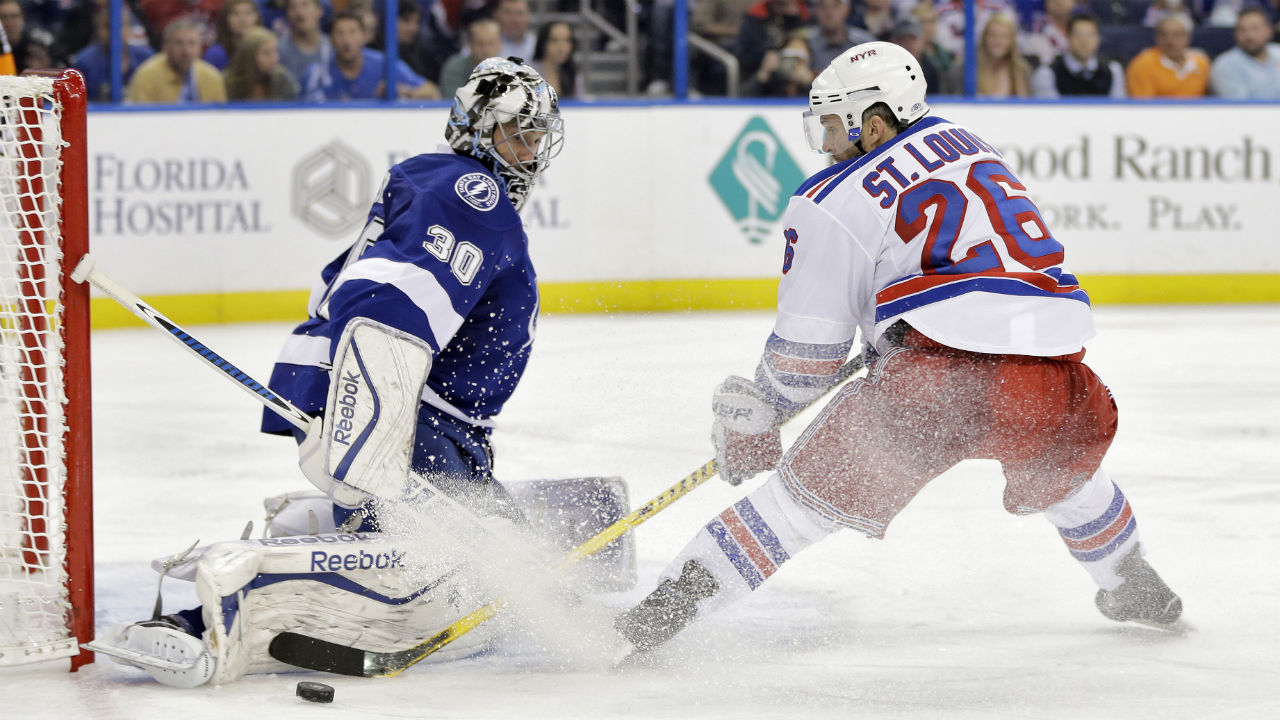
[
  {"x": 478, "y": 190},
  {"x": 861, "y": 56}
]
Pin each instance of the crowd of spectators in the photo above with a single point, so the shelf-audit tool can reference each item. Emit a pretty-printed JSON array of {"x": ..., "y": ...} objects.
[
  {"x": 1024, "y": 48},
  {"x": 213, "y": 51},
  {"x": 179, "y": 51}
]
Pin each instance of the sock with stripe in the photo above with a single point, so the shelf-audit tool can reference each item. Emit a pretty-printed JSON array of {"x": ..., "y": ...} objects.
[
  {"x": 1099, "y": 528},
  {"x": 750, "y": 540}
]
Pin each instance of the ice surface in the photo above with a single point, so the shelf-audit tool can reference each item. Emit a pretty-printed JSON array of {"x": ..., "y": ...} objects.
[{"x": 962, "y": 612}]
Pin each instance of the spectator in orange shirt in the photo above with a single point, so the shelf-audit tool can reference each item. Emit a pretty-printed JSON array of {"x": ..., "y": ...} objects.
[{"x": 1172, "y": 68}]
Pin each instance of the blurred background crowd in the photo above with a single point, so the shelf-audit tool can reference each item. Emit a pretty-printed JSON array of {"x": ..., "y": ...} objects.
[{"x": 213, "y": 51}]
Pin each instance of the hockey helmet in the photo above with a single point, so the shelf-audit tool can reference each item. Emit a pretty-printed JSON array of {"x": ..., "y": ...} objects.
[
  {"x": 508, "y": 93},
  {"x": 860, "y": 77}
]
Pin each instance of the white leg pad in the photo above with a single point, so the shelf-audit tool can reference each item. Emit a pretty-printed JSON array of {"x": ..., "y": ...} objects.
[
  {"x": 375, "y": 592},
  {"x": 292, "y": 514}
]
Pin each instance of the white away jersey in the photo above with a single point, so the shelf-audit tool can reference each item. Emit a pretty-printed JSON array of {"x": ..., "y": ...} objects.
[{"x": 931, "y": 227}]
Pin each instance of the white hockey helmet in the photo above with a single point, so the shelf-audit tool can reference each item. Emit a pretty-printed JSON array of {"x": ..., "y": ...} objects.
[
  {"x": 506, "y": 91},
  {"x": 860, "y": 77}
]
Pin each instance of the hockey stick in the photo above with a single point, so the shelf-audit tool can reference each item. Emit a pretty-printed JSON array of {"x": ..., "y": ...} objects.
[
  {"x": 315, "y": 654},
  {"x": 87, "y": 271}
]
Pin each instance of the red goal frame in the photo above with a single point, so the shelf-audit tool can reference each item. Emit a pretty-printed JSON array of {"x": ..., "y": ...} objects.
[{"x": 73, "y": 222}]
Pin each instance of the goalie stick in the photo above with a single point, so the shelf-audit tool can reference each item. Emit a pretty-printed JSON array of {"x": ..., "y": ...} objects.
[
  {"x": 315, "y": 654},
  {"x": 87, "y": 271}
]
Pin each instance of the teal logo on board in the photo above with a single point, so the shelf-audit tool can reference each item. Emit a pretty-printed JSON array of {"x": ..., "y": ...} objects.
[{"x": 755, "y": 178}]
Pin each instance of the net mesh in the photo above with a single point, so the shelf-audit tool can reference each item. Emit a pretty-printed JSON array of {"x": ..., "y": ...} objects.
[{"x": 34, "y": 605}]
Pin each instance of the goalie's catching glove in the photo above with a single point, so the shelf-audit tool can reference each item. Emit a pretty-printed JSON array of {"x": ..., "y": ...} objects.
[{"x": 745, "y": 430}]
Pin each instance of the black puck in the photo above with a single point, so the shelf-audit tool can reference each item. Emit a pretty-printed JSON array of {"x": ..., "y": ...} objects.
[{"x": 316, "y": 692}]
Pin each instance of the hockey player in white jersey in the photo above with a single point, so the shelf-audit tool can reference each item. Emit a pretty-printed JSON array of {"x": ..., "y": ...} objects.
[
  {"x": 434, "y": 306},
  {"x": 920, "y": 239}
]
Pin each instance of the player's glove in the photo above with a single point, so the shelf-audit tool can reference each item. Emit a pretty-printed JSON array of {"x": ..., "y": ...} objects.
[{"x": 745, "y": 431}]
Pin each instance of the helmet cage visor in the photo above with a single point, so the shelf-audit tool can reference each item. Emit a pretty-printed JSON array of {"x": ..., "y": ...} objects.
[{"x": 531, "y": 140}]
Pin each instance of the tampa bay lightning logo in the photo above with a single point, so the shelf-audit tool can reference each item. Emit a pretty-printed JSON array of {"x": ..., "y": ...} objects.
[{"x": 478, "y": 190}]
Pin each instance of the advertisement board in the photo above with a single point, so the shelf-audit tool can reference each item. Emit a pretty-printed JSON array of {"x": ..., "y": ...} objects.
[{"x": 650, "y": 200}]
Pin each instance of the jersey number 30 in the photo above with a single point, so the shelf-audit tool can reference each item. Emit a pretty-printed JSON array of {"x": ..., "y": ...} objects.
[
  {"x": 1015, "y": 219},
  {"x": 464, "y": 258}
]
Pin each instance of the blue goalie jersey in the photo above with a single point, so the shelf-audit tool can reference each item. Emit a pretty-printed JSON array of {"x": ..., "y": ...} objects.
[{"x": 443, "y": 257}]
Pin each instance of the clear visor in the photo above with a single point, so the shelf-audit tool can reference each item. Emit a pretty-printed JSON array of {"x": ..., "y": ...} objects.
[
  {"x": 527, "y": 142},
  {"x": 825, "y": 138}
]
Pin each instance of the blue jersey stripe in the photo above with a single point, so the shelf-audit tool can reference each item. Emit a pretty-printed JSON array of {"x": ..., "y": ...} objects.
[
  {"x": 810, "y": 351},
  {"x": 995, "y": 285},
  {"x": 920, "y": 126}
]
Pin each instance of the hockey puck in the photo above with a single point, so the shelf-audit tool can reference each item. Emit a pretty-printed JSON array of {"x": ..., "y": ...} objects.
[{"x": 315, "y": 692}]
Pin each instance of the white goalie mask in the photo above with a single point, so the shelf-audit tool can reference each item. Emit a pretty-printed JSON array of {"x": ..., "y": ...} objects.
[
  {"x": 860, "y": 77},
  {"x": 507, "y": 96}
]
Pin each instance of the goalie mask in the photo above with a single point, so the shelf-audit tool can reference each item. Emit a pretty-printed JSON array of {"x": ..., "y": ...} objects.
[
  {"x": 863, "y": 75},
  {"x": 507, "y": 117}
]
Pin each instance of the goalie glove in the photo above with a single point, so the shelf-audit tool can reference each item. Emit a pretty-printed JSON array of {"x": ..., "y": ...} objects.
[{"x": 745, "y": 430}]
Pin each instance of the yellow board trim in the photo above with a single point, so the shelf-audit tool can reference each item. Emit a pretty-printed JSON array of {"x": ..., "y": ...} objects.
[{"x": 685, "y": 295}]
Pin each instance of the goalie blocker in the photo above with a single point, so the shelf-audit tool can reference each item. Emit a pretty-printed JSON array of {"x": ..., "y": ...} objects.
[{"x": 362, "y": 447}]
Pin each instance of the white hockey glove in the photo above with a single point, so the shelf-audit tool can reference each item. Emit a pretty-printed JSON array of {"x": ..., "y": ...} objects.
[{"x": 745, "y": 430}]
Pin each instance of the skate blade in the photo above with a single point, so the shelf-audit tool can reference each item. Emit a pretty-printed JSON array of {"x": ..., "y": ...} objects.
[
  {"x": 1177, "y": 627},
  {"x": 137, "y": 659}
]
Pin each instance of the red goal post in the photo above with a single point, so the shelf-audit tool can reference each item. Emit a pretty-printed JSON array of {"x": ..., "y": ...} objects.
[{"x": 46, "y": 501}]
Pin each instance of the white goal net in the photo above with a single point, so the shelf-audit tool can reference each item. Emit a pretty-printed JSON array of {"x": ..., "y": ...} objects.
[{"x": 37, "y": 612}]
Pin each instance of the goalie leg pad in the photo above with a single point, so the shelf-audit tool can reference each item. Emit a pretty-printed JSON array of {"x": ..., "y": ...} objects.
[
  {"x": 374, "y": 592},
  {"x": 570, "y": 511},
  {"x": 304, "y": 512}
]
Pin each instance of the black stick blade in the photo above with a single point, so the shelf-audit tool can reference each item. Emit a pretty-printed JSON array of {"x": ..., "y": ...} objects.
[{"x": 314, "y": 654}]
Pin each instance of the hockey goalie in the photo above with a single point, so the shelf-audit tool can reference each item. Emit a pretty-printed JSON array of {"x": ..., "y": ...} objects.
[{"x": 416, "y": 337}]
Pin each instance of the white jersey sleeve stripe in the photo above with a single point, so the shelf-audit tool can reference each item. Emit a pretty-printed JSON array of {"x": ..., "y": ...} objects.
[
  {"x": 306, "y": 350},
  {"x": 421, "y": 287}
]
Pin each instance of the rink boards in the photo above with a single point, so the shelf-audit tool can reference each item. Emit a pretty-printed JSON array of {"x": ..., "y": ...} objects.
[{"x": 227, "y": 215}]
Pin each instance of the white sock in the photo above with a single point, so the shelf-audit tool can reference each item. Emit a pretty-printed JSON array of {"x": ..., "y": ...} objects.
[
  {"x": 747, "y": 542},
  {"x": 1098, "y": 527}
]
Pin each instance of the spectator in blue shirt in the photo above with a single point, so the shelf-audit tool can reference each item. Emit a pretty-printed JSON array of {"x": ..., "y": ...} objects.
[
  {"x": 1251, "y": 69},
  {"x": 92, "y": 60},
  {"x": 356, "y": 72}
]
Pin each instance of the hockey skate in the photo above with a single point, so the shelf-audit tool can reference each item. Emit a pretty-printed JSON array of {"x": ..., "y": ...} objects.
[
  {"x": 1142, "y": 598},
  {"x": 668, "y": 609},
  {"x": 160, "y": 647}
]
